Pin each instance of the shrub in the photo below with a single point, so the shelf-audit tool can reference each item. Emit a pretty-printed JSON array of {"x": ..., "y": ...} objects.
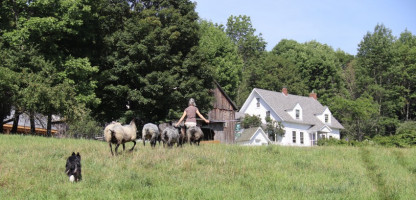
[
  {"x": 251, "y": 121},
  {"x": 405, "y": 136},
  {"x": 84, "y": 127},
  {"x": 332, "y": 142}
]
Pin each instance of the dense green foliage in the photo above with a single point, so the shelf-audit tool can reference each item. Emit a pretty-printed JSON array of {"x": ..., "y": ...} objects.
[
  {"x": 119, "y": 59},
  {"x": 250, "y": 121},
  {"x": 251, "y": 48},
  {"x": 222, "y": 55},
  {"x": 96, "y": 61},
  {"x": 153, "y": 66},
  {"x": 36, "y": 170},
  {"x": 274, "y": 129},
  {"x": 318, "y": 67},
  {"x": 382, "y": 72}
]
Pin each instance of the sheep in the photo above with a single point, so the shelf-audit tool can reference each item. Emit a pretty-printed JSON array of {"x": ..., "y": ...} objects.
[
  {"x": 194, "y": 134},
  {"x": 182, "y": 135},
  {"x": 150, "y": 131},
  {"x": 170, "y": 135},
  {"x": 165, "y": 125},
  {"x": 117, "y": 134},
  {"x": 107, "y": 132}
]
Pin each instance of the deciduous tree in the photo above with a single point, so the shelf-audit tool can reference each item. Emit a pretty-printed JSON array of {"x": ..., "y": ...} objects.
[{"x": 222, "y": 55}]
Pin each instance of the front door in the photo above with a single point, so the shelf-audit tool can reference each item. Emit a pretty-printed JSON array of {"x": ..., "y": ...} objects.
[{"x": 313, "y": 139}]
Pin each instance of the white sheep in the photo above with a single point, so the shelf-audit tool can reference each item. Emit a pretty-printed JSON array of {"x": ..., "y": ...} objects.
[
  {"x": 194, "y": 134},
  {"x": 107, "y": 132},
  {"x": 151, "y": 132},
  {"x": 117, "y": 134}
]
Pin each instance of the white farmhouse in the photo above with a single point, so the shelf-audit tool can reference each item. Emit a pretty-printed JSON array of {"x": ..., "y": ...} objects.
[{"x": 305, "y": 120}]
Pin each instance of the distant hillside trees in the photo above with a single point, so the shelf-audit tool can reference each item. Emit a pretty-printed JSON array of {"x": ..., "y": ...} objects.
[{"x": 385, "y": 70}]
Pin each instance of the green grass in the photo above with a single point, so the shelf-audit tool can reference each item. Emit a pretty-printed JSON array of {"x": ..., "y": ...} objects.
[{"x": 33, "y": 168}]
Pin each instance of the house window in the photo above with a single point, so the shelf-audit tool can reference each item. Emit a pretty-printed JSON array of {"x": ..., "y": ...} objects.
[
  {"x": 267, "y": 114},
  {"x": 301, "y": 137},
  {"x": 258, "y": 102},
  {"x": 294, "y": 136},
  {"x": 297, "y": 113},
  {"x": 326, "y": 118}
]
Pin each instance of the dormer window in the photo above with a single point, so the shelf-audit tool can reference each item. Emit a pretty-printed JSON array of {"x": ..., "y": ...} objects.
[
  {"x": 297, "y": 114},
  {"x": 258, "y": 102},
  {"x": 326, "y": 118}
]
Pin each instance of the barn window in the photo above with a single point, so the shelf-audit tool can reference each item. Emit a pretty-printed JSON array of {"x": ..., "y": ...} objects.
[
  {"x": 294, "y": 136},
  {"x": 258, "y": 102},
  {"x": 301, "y": 137}
]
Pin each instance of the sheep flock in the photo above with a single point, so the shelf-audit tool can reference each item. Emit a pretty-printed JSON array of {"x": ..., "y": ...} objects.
[{"x": 118, "y": 134}]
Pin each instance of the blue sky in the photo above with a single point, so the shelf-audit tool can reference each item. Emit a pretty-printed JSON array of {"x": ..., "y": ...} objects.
[{"x": 340, "y": 24}]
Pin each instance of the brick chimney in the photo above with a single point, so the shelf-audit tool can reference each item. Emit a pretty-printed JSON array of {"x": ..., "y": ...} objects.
[
  {"x": 313, "y": 95},
  {"x": 284, "y": 91}
]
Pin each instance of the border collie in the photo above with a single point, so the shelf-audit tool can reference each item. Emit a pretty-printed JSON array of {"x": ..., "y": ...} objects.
[{"x": 73, "y": 167}]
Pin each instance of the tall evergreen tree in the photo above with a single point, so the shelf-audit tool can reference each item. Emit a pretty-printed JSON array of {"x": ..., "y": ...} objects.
[{"x": 153, "y": 66}]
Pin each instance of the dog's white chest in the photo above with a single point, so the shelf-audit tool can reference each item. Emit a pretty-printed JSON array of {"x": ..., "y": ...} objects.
[{"x": 72, "y": 178}]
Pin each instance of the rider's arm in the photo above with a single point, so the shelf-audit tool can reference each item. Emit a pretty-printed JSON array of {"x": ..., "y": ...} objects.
[
  {"x": 202, "y": 117},
  {"x": 180, "y": 120}
]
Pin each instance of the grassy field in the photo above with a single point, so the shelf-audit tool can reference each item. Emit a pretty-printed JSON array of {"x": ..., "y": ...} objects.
[{"x": 33, "y": 168}]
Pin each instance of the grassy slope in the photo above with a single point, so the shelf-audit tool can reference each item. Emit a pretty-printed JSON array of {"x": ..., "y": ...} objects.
[{"x": 33, "y": 168}]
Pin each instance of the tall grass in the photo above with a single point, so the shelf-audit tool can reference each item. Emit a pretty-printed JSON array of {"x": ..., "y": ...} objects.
[{"x": 33, "y": 168}]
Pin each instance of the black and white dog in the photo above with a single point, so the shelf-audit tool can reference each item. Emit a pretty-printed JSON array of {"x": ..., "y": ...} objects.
[{"x": 73, "y": 167}]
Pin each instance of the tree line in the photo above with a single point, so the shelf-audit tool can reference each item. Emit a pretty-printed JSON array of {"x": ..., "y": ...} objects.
[{"x": 94, "y": 61}]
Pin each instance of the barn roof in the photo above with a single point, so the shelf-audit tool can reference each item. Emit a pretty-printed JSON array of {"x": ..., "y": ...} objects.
[{"x": 226, "y": 96}]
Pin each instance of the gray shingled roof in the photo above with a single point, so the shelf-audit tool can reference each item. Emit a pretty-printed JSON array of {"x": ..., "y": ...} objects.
[
  {"x": 246, "y": 134},
  {"x": 311, "y": 107}
]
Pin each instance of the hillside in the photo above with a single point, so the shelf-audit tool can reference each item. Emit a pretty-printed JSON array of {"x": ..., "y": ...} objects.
[{"x": 33, "y": 168}]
